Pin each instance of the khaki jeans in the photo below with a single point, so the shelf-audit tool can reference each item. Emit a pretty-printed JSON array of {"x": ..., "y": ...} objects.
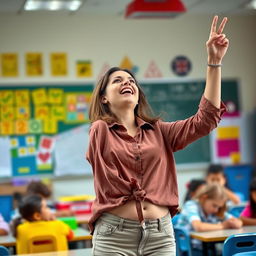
[{"x": 123, "y": 237}]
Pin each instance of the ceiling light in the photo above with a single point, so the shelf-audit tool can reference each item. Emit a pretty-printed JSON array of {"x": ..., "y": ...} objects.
[
  {"x": 52, "y": 5},
  {"x": 154, "y": 9},
  {"x": 251, "y": 5}
]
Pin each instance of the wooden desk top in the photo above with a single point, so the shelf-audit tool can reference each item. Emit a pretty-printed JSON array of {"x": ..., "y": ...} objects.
[
  {"x": 77, "y": 252},
  {"x": 79, "y": 234},
  {"x": 221, "y": 235},
  {"x": 83, "y": 218}
]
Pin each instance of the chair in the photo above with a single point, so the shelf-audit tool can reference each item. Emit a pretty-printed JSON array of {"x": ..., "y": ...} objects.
[
  {"x": 6, "y": 202},
  {"x": 175, "y": 219},
  {"x": 4, "y": 251},
  {"x": 236, "y": 210},
  {"x": 182, "y": 242},
  {"x": 39, "y": 244},
  {"x": 239, "y": 244}
]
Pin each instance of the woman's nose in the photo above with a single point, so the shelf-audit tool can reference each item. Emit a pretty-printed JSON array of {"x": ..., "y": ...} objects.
[{"x": 126, "y": 82}]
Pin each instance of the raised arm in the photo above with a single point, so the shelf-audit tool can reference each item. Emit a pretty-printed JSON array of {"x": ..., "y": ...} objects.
[{"x": 217, "y": 46}]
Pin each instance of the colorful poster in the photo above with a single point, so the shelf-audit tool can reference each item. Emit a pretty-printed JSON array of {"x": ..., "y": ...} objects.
[
  {"x": 84, "y": 68},
  {"x": 9, "y": 64},
  {"x": 34, "y": 65},
  {"x": 59, "y": 64}
]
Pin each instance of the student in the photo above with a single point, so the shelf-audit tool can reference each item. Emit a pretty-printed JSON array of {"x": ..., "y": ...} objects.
[
  {"x": 4, "y": 226},
  {"x": 248, "y": 215},
  {"x": 37, "y": 221},
  {"x": 131, "y": 153},
  {"x": 40, "y": 188},
  {"x": 215, "y": 173},
  {"x": 207, "y": 212},
  {"x": 193, "y": 187}
]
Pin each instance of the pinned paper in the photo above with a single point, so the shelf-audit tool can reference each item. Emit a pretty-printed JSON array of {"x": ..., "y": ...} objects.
[
  {"x": 39, "y": 96},
  {"x": 103, "y": 70},
  {"x": 228, "y": 132},
  {"x": 21, "y": 127},
  {"x": 35, "y": 126},
  {"x": 84, "y": 68},
  {"x": 22, "y": 113},
  {"x": 34, "y": 66},
  {"x": 58, "y": 113},
  {"x": 55, "y": 96},
  {"x": 235, "y": 157},
  {"x": 22, "y": 97},
  {"x": 153, "y": 71},
  {"x": 226, "y": 147},
  {"x": 7, "y": 113},
  {"x": 44, "y": 161},
  {"x": 9, "y": 65},
  {"x": 46, "y": 144},
  {"x": 127, "y": 64},
  {"x": 6, "y": 98},
  {"x": 6, "y": 128},
  {"x": 50, "y": 126},
  {"x": 42, "y": 112},
  {"x": 59, "y": 64}
]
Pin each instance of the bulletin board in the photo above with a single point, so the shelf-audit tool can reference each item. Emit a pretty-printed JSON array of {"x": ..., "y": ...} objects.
[
  {"x": 36, "y": 122},
  {"x": 44, "y": 129}
]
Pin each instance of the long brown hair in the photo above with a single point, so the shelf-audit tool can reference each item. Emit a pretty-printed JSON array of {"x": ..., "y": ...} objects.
[
  {"x": 214, "y": 192},
  {"x": 100, "y": 111}
]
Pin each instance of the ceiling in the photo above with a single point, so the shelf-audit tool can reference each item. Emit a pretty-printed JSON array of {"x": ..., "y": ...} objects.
[{"x": 117, "y": 7}]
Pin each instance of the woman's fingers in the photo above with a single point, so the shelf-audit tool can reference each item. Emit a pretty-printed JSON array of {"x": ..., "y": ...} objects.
[
  {"x": 214, "y": 24},
  {"x": 222, "y": 25}
]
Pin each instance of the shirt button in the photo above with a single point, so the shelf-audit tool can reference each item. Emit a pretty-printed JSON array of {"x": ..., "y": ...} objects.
[{"x": 137, "y": 158}]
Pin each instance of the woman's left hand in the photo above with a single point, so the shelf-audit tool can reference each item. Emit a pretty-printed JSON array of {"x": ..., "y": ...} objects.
[{"x": 217, "y": 43}]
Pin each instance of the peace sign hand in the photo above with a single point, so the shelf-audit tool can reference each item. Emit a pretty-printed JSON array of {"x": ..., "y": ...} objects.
[{"x": 217, "y": 43}]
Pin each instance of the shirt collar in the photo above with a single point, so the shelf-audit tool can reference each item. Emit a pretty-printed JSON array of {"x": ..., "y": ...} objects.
[{"x": 141, "y": 123}]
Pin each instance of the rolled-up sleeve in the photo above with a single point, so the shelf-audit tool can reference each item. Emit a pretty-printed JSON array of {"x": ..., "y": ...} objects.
[{"x": 183, "y": 132}]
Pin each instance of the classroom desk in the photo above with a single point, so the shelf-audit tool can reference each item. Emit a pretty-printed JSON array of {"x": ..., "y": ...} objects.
[
  {"x": 83, "y": 218},
  {"x": 219, "y": 235},
  {"x": 80, "y": 234},
  {"x": 77, "y": 252}
]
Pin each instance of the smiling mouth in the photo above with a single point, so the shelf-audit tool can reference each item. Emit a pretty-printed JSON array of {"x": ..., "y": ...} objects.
[{"x": 127, "y": 91}]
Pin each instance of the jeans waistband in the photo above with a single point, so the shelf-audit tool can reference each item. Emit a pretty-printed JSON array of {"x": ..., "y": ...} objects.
[{"x": 128, "y": 223}]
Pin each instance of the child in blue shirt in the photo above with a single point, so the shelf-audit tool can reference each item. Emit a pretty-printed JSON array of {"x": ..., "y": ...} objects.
[{"x": 207, "y": 212}]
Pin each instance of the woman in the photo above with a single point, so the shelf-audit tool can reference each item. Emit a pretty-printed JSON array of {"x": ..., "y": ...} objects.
[{"x": 131, "y": 154}]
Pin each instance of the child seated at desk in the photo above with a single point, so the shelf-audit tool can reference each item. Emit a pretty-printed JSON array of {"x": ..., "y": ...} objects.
[
  {"x": 36, "y": 215},
  {"x": 215, "y": 174},
  {"x": 193, "y": 186},
  {"x": 4, "y": 227},
  {"x": 39, "y": 188},
  {"x": 248, "y": 215},
  {"x": 207, "y": 212}
]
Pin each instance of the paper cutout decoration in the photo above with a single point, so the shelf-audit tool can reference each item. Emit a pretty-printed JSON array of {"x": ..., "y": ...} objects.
[
  {"x": 22, "y": 97},
  {"x": 84, "y": 68},
  {"x": 77, "y": 107},
  {"x": 22, "y": 113},
  {"x": 127, "y": 64},
  {"x": 6, "y": 98},
  {"x": 39, "y": 96},
  {"x": 153, "y": 71},
  {"x": 59, "y": 64},
  {"x": 34, "y": 66},
  {"x": 103, "y": 70},
  {"x": 9, "y": 65},
  {"x": 6, "y": 128},
  {"x": 7, "y": 113},
  {"x": 42, "y": 112},
  {"x": 50, "y": 126},
  {"x": 55, "y": 96},
  {"x": 21, "y": 127}
]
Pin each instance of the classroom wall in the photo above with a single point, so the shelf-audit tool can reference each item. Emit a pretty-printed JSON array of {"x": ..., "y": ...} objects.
[{"x": 108, "y": 39}]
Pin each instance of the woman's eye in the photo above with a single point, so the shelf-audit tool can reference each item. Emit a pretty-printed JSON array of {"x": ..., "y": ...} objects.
[
  {"x": 132, "y": 81},
  {"x": 117, "y": 81}
]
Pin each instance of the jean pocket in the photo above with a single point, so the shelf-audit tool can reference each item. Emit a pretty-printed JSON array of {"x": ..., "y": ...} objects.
[
  {"x": 168, "y": 230},
  {"x": 106, "y": 229}
]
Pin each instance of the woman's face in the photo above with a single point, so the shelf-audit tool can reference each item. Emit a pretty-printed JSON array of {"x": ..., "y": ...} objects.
[
  {"x": 212, "y": 206},
  {"x": 121, "y": 92}
]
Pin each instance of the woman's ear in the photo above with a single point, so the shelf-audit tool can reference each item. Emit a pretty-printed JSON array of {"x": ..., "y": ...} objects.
[{"x": 104, "y": 100}]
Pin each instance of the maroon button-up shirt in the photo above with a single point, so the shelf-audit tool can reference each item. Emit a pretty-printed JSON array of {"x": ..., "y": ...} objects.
[{"x": 143, "y": 167}]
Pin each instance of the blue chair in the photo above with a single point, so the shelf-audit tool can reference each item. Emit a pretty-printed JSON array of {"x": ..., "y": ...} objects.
[
  {"x": 4, "y": 251},
  {"x": 6, "y": 202},
  {"x": 175, "y": 219},
  {"x": 236, "y": 210},
  {"x": 240, "y": 244},
  {"x": 182, "y": 242}
]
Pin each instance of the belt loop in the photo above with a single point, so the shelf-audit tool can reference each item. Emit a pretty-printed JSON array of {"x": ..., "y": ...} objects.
[
  {"x": 121, "y": 224},
  {"x": 159, "y": 225}
]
